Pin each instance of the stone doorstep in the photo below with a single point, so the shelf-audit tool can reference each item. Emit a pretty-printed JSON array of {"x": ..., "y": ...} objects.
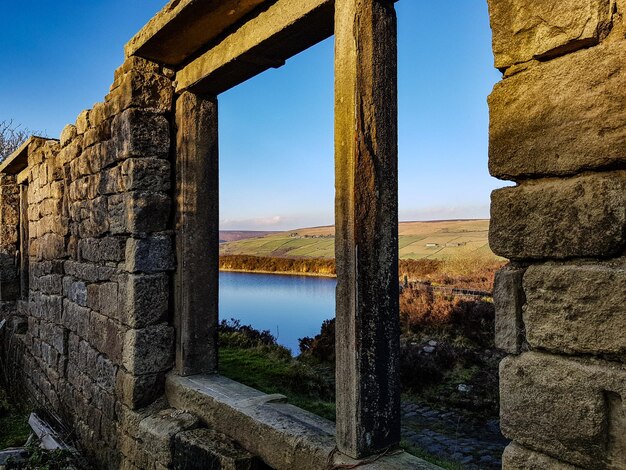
[{"x": 282, "y": 435}]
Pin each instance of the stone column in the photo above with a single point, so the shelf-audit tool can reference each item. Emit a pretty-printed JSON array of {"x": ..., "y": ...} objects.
[
  {"x": 24, "y": 242},
  {"x": 366, "y": 218},
  {"x": 197, "y": 234}
]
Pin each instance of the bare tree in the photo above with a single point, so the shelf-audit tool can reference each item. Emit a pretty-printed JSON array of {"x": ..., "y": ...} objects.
[{"x": 11, "y": 137}]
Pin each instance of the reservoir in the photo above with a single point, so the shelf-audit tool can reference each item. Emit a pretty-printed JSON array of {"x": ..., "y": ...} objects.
[{"x": 290, "y": 307}]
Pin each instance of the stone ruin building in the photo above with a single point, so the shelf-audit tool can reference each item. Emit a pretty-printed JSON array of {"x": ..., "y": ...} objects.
[{"x": 109, "y": 242}]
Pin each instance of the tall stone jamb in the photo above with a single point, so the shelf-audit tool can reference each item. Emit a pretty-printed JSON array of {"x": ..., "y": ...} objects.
[
  {"x": 197, "y": 234},
  {"x": 366, "y": 218},
  {"x": 9, "y": 237}
]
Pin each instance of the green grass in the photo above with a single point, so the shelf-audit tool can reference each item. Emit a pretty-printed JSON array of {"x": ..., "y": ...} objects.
[
  {"x": 412, "y": 242},
  {"x": 268, "y": 369},
  {"x": 14, "y": 428}
]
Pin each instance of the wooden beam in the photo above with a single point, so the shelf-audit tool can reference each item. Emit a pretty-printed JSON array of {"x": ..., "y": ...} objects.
[
  {"x": 184, "y": 26},
  {"x": 366, "y": 221},
  {"x": 283, "y": 30}
]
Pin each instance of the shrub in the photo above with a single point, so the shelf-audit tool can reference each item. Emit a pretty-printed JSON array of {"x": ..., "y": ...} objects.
[{"x": 322, "y": 346}]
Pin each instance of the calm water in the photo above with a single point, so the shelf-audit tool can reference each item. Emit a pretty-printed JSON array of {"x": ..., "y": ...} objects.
[{"x": 290, "y": 307}]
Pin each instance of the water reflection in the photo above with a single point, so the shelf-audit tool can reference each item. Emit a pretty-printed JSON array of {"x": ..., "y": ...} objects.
[{"x": 290, "y": 307}]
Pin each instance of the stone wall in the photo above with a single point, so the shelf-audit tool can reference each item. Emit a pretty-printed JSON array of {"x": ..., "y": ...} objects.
[
  {"x": 558, "y": 131},
  {"x": 98, "y": 342},
  {"x": 91, "y": 339}
]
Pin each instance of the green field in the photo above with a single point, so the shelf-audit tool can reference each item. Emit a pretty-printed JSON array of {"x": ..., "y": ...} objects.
[{"x": 418, "y": 240}]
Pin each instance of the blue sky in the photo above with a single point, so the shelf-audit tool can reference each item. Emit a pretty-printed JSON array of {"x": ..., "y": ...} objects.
[{"x": 276, "y": 130}]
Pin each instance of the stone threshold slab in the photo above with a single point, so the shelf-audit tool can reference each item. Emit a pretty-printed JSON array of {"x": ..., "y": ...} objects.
[{"x": 283, "y": 435}]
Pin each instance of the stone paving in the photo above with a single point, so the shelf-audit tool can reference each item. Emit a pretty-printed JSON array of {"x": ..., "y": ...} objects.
[{"x": 453, "y": 437}]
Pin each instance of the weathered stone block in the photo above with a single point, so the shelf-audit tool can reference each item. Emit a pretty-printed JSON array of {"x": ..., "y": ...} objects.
[
  {"x": 577, "y": 308},
  {"x": 107, "y": 336},
  {"x": 138, "y": 90},
  {"x": 150, "y": 254},
  {"x": 95, "y": 218},
  {"x": 105, "y": 376},
  {"x": 68, "y": 134},
  {"x": 138, "y": 391},
  {"x": 75, "y": 291},
  {"x": 135, "y": 64},
  {"x": 558, "y": 406},
  {"x": 89, "y": 272},
  {"x": 582, "y": 216},
  {"x": 146, "y": 174},
  {"x": 103, "y": 298},
  {"x": 561, "y": 117},
  {"x": 200, "y": 449},
  {"x": 101, "y": 249},
  {"x": 75, "y": 318},
  {"x": 148, "y": 350},
  {"x": 50, "y": 246},
  {"x": 143, "y": 299},
  {"x": 97, "y": 134},
  {"x": 71, "y": 150},
  {"x": 99, "y": 114},
  {"x": 161, "y": 429},
  {"x": 82, "y": 122},
  {"x": 508, "y": 299},
  {"x": 139, "y": 212},
  {"x": 542, "y": 29},
  {"x": 517, "y": 457},
  {"x": 146, "y": 212},
  {"x": 47, "y": 307},
  {"x": 48, "y": 284},
  {"x": 110, "y": 181},
  {"x": 139, "y": 133}
]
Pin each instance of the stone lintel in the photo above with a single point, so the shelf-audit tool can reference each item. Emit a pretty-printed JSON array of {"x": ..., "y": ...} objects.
[
  {"x": 283, "y": 30},
  {"x": 18, "y": 160},
  {"x": 183, "y": 26},
  {"x": 366, "y": 221},
  {"x": 291, "y": 437}
]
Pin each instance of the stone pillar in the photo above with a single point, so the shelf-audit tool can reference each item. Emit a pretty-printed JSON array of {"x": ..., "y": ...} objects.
[
  {"x": 23, "y": 245},
  {"x": 197, "y": 234},
  {"x": 366, "y": 218},
  {"x": 9, "y": 221}
]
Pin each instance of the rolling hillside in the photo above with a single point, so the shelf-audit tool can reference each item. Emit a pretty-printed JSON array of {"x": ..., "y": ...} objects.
[{"x": 436, "y": 240}]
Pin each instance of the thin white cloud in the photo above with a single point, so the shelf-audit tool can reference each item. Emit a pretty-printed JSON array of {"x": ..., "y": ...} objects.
[{"x": 252, "y": 224}]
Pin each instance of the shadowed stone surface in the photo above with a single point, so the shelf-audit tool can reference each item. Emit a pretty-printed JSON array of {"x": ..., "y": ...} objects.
[
  {"x": 197, "y": 234},
  {"x": 577, "y": 307},
  {"x": 283, "y": 30},
  {"x": 508, "y": 300},
  {"x": 291, "y": 438},
  {"x": 202, "y": 449},
  {"x": 568, "y": 402},
  {"x": 516, "y": 457},
  {"x": 366, "y": 220},
  {"x": 560, "y": 117},
  {"x": 182, "y": 27},
  {"x": 560, "y": 218}
]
